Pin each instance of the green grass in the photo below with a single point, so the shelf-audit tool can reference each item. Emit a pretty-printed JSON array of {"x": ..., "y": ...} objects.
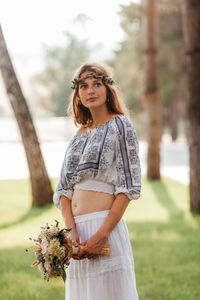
[{"x": 165, "y": 238}]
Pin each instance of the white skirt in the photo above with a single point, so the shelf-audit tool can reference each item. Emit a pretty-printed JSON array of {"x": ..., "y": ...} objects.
[{"x": 109, "y": 277}]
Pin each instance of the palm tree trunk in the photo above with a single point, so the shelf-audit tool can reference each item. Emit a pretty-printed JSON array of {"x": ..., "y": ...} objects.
[
  {"x": 41, "y": 188},
  {"x": 191, "y": 25},
  {"x": 152, "y": 92}
]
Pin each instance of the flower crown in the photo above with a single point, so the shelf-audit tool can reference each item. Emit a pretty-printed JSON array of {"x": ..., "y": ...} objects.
[{"x": 104, "y": 78}]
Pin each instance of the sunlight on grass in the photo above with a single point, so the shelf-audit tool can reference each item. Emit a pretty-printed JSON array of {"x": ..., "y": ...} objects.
[
  {"x": 27, "y": 282},
  {"x": 19, "y": 233},
  {"x": 15, "y": 199},
  {"x": 146, "y": 208},
  {"x": 165, "y": 238},
  {"x": 23, "y": 221}
]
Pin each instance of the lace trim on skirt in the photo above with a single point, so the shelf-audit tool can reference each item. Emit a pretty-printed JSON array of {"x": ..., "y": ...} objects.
[{"x": 86, "y": 269}]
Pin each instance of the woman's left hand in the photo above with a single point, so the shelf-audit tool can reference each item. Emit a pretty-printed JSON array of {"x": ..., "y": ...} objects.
[{"x": 92, "y": 247}]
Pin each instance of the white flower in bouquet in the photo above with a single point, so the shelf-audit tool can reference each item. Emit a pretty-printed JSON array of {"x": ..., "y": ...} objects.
[
  {"x": 56, "y": 249},
  {"x": 47, "y": 267},
  {"x": 44, "y": 245},
  {"x": 41, "y": 268}
]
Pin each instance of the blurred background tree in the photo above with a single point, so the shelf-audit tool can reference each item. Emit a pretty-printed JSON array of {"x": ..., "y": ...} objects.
[
  {"x": 152, "y": 89},
  {"x": 42, "y": 191},
  {"x": 191, "y": 25},
  {"x": 128, "y": 62},
  {"x": 52, "y": 87}
]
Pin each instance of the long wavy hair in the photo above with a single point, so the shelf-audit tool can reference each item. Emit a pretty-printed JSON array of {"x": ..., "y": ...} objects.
[{"x": 81, "y": 114}]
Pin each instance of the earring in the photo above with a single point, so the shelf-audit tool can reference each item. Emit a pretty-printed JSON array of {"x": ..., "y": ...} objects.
[{"x": 108, "y": 99}]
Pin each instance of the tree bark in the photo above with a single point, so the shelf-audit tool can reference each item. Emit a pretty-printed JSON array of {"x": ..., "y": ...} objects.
[
  {"x": 152, "y": 92},
  {"x": 191, "y": 25},
  {"x": 41, "y": 188}
]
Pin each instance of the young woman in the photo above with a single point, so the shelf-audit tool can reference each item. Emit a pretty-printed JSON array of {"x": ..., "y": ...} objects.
[{"x": 100, "y": 175}]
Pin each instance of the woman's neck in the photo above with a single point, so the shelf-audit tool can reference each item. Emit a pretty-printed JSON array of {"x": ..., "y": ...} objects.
[{"x": 100, "y": 118}]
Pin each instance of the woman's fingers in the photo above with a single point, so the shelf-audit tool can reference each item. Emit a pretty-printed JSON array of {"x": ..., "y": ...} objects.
[
  {"x": 82, "y": 253},
  {"x": 83, "y": 243},
  {"x": 86, "y": 253},
  {"x": 75, "y": 243},
  {"x": 73, "y": 236},
  {"x": 76, "y": 257}
]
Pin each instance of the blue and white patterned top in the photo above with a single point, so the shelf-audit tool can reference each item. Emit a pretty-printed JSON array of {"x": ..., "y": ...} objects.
[{"x": 107, "y": 153}]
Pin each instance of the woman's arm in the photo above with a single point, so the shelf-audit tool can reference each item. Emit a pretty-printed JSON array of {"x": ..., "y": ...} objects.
[
  {"x": 65, "y": 204},
  {"x": 94, "y": 244},
  {"x": 116, "y": 212}
]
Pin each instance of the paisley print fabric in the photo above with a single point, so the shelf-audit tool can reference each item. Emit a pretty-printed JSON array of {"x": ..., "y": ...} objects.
[{"x": 108, "y": 153}]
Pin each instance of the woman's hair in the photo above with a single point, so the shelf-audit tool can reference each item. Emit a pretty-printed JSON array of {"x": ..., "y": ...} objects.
[{"x": 80, "y": 113}]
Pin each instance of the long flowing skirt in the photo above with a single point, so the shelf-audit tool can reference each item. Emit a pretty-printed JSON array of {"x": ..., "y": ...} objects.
[{"x": 109, "y": 277}]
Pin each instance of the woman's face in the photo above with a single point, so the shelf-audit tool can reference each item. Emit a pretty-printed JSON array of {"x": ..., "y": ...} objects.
[{"x": 92, "y": 92}]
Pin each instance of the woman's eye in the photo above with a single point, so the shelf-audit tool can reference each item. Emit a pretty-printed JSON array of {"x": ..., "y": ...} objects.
[
  {"x": 83, "y": 86},
  {"x": 98, "y": 84}
]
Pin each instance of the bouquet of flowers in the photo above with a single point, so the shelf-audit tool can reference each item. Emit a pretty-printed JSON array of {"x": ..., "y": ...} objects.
[{"x": 54, "y": 250}]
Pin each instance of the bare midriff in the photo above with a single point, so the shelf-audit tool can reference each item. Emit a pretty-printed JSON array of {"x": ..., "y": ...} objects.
[{"x": 85, "y": 202}]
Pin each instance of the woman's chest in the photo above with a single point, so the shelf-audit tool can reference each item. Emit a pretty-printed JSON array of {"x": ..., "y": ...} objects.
[{"x": 96, "y": 148}]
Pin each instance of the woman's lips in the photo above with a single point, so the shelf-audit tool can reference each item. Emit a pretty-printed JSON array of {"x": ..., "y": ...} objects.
[{"x": 92, "y": 98}]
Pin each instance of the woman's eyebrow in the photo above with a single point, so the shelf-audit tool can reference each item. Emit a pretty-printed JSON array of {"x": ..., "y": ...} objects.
[{"x": 95, "y": 80}]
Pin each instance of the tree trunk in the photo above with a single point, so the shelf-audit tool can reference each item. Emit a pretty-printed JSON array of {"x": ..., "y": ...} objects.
[
  {"x": 191, "y": 25},
  {"x": 41, "y": 188},
  {"x": 173, "y": 108},
  {"x": 152, "y": 92},
  {"x": 173, "y": 118}
]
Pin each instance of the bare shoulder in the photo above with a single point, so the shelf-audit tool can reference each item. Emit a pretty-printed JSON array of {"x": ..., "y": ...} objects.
[{"x": 81, "y": 130}]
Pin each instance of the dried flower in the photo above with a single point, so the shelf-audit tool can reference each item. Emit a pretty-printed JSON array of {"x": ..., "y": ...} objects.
[{"x": 54, "y": 250}]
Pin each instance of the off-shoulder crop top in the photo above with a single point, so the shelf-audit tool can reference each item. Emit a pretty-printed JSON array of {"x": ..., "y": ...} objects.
[{"x": 108, "y": 156}]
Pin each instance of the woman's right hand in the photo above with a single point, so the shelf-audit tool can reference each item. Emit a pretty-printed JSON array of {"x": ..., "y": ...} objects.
[{"x": 74, "y": 237}]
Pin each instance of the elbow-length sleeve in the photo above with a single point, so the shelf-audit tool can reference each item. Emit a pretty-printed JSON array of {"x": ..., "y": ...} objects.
[
  {"x": 63, "y": 187},
  {"x": 127, "y": 160}
]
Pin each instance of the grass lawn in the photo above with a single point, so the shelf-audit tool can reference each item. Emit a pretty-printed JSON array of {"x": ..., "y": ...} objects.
[{"x": 165, "y": 238}]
